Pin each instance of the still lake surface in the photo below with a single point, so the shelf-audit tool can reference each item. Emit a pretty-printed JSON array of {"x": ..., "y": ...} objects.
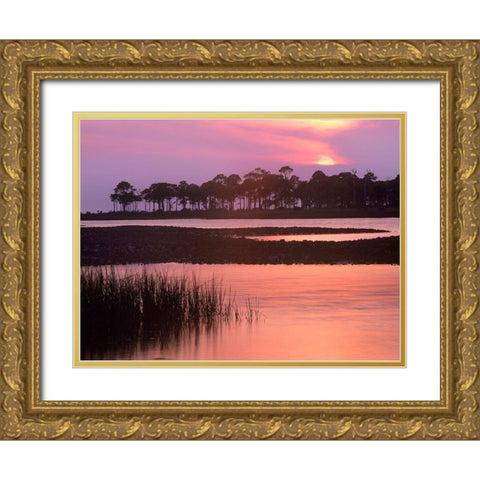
[
  {"x": 322, "y": 237},
  {"x": 391, "y": 223},
  {"x": 306, "y": 312}
]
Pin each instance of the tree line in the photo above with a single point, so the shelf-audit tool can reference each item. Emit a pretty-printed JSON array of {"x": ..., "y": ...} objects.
[{"x": 261, "y": 189}]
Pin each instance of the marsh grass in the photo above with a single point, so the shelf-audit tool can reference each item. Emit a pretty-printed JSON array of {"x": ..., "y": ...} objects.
[{"x": 124, "y": 313}]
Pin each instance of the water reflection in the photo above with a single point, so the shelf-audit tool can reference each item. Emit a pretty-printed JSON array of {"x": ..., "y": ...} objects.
[
  {"x": 309, "y": 312},
  {"x": 390, "y": 224},
  {"x": 322, "y": 237}
]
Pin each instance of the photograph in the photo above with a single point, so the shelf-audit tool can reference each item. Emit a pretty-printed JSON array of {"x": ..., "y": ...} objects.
[{"x": 255, "y": 238}]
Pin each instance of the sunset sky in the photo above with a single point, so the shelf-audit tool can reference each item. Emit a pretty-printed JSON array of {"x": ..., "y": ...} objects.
[{"x": 146, "y": 151}]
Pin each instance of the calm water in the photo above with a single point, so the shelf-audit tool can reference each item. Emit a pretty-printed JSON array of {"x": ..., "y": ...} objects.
[
  {"x": 322, "y": 237},
  {"x": 307, "y": 312},
  {"x": 390, "y": 224}
]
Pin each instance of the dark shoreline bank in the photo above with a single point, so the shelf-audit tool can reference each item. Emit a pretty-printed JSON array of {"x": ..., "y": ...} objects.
[
  {"x": 366, "y": 212},
  {"x": 143, "y": 244}
]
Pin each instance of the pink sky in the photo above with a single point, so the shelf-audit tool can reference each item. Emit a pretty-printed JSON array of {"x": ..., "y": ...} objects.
[{"x": 143, "y": 152}]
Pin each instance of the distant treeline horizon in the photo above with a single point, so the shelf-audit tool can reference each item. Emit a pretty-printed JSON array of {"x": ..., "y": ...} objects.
[{"x": 261, "y": 190}]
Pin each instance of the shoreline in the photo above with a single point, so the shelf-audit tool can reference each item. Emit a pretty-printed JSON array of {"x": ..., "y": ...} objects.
[
  {"x": 147, "y": 244},
  {"x": 366, "y": 212}
]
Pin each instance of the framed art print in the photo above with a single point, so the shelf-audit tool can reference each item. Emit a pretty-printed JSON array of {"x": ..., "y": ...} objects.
[
  {"x": 203, "y": 257},
  {"x": 239, "y": 239}
]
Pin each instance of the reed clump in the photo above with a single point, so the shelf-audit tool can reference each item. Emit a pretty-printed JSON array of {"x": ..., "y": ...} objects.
[{"x": 122, "y": 313}]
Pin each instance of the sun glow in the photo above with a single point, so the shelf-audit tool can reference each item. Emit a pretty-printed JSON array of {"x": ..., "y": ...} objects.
[{"x": 325, "y": 160}]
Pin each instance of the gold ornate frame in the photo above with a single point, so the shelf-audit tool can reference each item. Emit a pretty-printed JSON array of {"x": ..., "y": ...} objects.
[{"x": 24, "y": 64}]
